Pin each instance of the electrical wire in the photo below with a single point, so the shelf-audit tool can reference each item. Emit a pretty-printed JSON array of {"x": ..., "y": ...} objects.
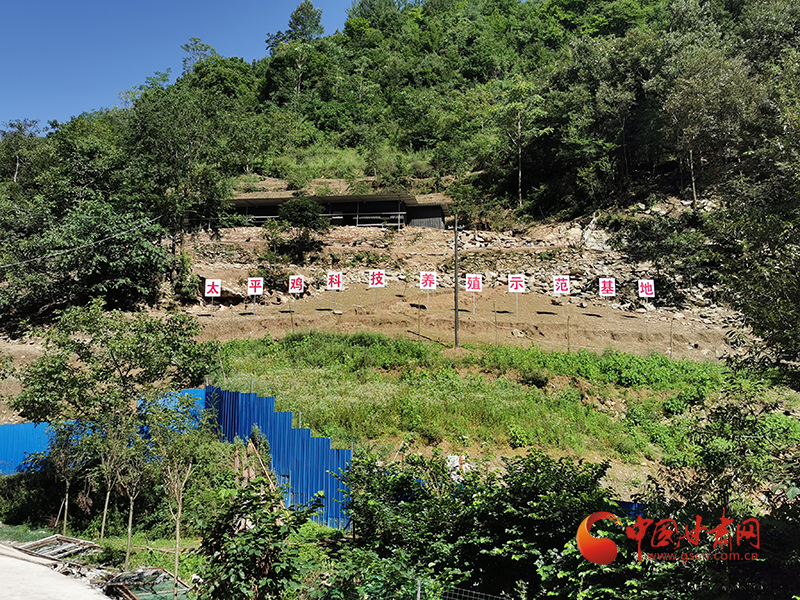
[{"x": 81, "y": 247}]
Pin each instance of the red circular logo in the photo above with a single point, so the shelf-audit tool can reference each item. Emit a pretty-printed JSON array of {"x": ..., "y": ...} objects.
[{"x": 600, "y": 551}]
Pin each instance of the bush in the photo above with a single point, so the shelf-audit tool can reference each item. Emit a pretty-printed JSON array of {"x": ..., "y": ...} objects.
[{"x": 186, "y": 285}]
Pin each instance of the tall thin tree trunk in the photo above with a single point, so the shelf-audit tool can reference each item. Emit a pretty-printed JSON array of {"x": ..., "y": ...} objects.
[
  {"x": 694, "y": 189},
  {"x": 105, "y": 513},
  {"x": 519, "y": 158},
  {"x": 177, "y": 547},
  {"x": 66, "y": 510},
  {"x": 131, "y": 500}
]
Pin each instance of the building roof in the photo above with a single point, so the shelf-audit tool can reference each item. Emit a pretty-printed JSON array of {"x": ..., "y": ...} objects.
[{"x": 252, "y": 200}]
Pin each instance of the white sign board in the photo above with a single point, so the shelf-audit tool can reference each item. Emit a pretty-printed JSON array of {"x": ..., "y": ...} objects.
[
  {"x": 255, "y": 286},
  {"x": 427, "y": 280},
  {"x": 213, "y": 288},
  {"x": 297, "y": 284},
  {"x": 608, "y": 287},
  {"x": 377, "y": 278},
  {"x": 474, "y": 282},
  {"x": 335, "y": 281},
  {"x": 561, "y": 284},
  {"x": 516, "y": 283}
]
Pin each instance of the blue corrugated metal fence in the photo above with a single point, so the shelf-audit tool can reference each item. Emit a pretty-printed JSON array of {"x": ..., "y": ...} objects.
[
  {"x": 17, "y": 442},
  {"x": 303, "y": 463}
]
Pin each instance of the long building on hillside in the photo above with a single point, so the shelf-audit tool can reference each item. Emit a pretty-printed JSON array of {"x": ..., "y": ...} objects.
[{"x": 374, "y": 210}]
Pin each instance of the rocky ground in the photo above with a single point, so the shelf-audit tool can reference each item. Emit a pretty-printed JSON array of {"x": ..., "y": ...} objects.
[
  {"x": 582, "y": 319},
  {"x": 696, "y": 330}
]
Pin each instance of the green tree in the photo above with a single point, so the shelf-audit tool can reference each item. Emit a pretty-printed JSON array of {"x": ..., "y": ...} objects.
[
  {"x": 486, "y": 530},
  {"x": 70, "y": 234},
  {"x": 67, "y": 456},
  {"x": 197, "y": 52},
  {"x": 519, "y": 116},
  {"x": 112, "y": 441},
  {"x": 247, "y": 545},
  {"x": 178, "y": 440},
  {"x": 18, "y": 145},
  {"x": 98, "y": 363},
  {"x": 135, "y": 472},
  {"x": 174, "y": 141},
  {"x": 305, "y": 24},
  {"x": 304, "y": 216}
]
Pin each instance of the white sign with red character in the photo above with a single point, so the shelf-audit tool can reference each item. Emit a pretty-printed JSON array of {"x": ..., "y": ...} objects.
[
  {"x": 608, "y": 287},
  {"x": 213, "y": 288},
  {"x": 377, "y": 278},
  {"x": 335, "y": 281},
  {"x": 561, "y": 284},
  {"x": 427, "y": 280},
  {"x": 516, "y": 284},
  {"x": 297, "y": 284},
  {"x": 255, "y": 286},
  {"x": 646, "y": 288},
  {"x": 474, "y": 282}
]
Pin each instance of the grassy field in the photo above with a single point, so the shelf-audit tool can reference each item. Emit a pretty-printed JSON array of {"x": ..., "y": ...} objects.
[{"x": 367, "y": 387}]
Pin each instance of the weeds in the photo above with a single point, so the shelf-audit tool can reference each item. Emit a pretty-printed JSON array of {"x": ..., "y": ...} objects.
[{"x": 370, "y": 387}]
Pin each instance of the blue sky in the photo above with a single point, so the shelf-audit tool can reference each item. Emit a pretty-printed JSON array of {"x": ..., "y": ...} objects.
[{"x": 60, "y": 58}]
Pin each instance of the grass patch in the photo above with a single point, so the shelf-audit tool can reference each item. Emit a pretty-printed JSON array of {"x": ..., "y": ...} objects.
[
  {"x": 368, "y": 387},
  {"x": 20, "y": 534}
]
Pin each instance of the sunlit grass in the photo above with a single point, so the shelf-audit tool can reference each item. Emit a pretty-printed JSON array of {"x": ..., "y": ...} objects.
[{"x": 368, "y": 387}]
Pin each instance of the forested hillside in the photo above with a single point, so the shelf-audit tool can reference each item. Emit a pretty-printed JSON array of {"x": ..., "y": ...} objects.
[
  {"x": 537, "y": 109},
  {"x": 543, "y": 110}
]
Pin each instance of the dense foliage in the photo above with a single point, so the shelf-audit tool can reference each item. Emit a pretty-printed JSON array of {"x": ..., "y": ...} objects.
[
  {"x": 554, "y": 107},
  {"x": 540, "y": 108}
]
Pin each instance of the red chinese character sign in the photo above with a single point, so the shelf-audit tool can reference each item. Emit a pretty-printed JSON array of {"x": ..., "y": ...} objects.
[
  {"x": 561, "y": 288},
  {"x": 297, "y": 284},
  {"x": 377, "y": 278},
  {"x": 561, "y": 284},
  {"x": 255, "y": 286},
  {"x": 608, "y": 287},
  {"x": 474, "y": 283},
  {"x": 427, "y": 280},
  {"x": 516, "y": 284},
  {"x": 213, "y": 288},
  {"x": 335, "y": 281},
  {"x": 646, "y": 288}
]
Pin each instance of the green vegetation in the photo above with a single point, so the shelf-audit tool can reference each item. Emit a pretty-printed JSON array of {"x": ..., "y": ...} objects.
[
  {"x": 367, "y": 386},
  {"x": 723, "y": 441},
  {"x": 527, "y": 110},
  {"x": 522, "y": 110}
]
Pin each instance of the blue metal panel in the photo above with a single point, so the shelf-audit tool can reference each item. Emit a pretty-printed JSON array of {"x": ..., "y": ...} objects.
[
  {"x": 19, "y": 441},
  {"x": 304, "y": 465}
]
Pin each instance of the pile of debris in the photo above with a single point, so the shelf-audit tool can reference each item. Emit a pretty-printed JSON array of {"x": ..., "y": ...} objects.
[{"x": 60, "y": 552}]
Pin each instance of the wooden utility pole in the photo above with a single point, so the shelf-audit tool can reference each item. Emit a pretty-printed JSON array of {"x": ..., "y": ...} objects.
[{"x": 455, "y": 275}]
